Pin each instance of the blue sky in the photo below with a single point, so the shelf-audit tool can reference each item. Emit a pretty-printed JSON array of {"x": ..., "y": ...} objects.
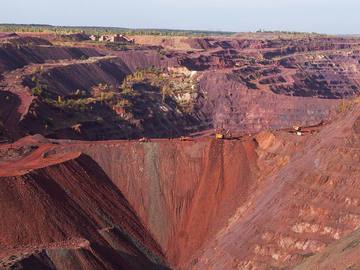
[{"x": 324, "y": 16}]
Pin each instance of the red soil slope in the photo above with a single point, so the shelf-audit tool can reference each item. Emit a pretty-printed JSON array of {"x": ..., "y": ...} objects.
[
  {"x": 204, "y": 173},
  {"x": 269, "y": 201},
  {"x": 307, "y": 204},
  {"x": 70, "y": 209},
  {"x": 264, "y": 201},
  {"x": 183, "y": 191},
  {"x": 247, "y": 110},
  {"x": 343, "y": 254}
]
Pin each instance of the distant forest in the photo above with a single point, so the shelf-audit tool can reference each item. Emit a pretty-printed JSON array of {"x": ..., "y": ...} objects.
[{"x": 106, "y": 30}]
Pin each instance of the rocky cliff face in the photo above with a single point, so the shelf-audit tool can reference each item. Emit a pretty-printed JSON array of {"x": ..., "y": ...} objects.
[{"x": 226, "y": 102}]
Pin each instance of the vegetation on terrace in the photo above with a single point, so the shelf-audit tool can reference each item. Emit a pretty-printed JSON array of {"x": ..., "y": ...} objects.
[
  {"x": 164, "y": 84},
  {"x": 146, "y": 99},
  {"x": 346, "y": 105}
]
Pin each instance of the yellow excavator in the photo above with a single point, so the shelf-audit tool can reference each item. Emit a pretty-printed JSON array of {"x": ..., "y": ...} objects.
[
  {"x": 219, "y": 136},
  {"x": 222, "y": 134}
]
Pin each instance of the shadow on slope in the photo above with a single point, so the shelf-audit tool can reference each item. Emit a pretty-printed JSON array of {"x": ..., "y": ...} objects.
[{"x": 67, "y": 209}]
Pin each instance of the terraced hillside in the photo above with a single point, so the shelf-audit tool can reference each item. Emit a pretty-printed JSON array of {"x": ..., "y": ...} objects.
[
  {"x": 108, "y": 158},
  {"x": 237, "y": 84}
]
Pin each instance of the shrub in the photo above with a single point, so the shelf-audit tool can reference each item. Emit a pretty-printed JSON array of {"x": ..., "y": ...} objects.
[
  {"x": 39, "y": 88},
  {"x": 36, "y": 91},
  {"x": 84, "y": 57},
  {"x": 123, "y": 103}
]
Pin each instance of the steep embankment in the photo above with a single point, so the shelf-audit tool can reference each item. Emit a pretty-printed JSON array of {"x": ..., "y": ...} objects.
[
  {"x": 310, "y": 202},
  {"x": 135, "y": 60},
  {"x": 58, "y": 79},
  {"x": 183, "y": 191},
  {"x": 209, "y": 179},
  {"x": 8, "y": 104},
  {"x": 75, "y": 78},
  {"x": 17, "y": 56},
  {"x": 149, "y": 103},
  {"x": 66, "y": 77},
  {"x": 227, "y": 102},
  {"x": 225, "y": 204},
  {"x": 269, "y": 201},
  {"x": 66, "y": 213}
]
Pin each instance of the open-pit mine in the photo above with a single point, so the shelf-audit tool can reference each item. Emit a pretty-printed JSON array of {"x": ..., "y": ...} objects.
[{"x": 151, "y": 152}]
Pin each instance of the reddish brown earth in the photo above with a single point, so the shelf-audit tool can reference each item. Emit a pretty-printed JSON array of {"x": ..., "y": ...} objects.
[
  {"x": 310, "y": 202},
  {"x": 243, "y": 84},
  {"x": 142, "y": 174},
  {"x": 343, "y": 254},
  {"x": 263, "y": 199},
  {"x": 65, "y": 212}
]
